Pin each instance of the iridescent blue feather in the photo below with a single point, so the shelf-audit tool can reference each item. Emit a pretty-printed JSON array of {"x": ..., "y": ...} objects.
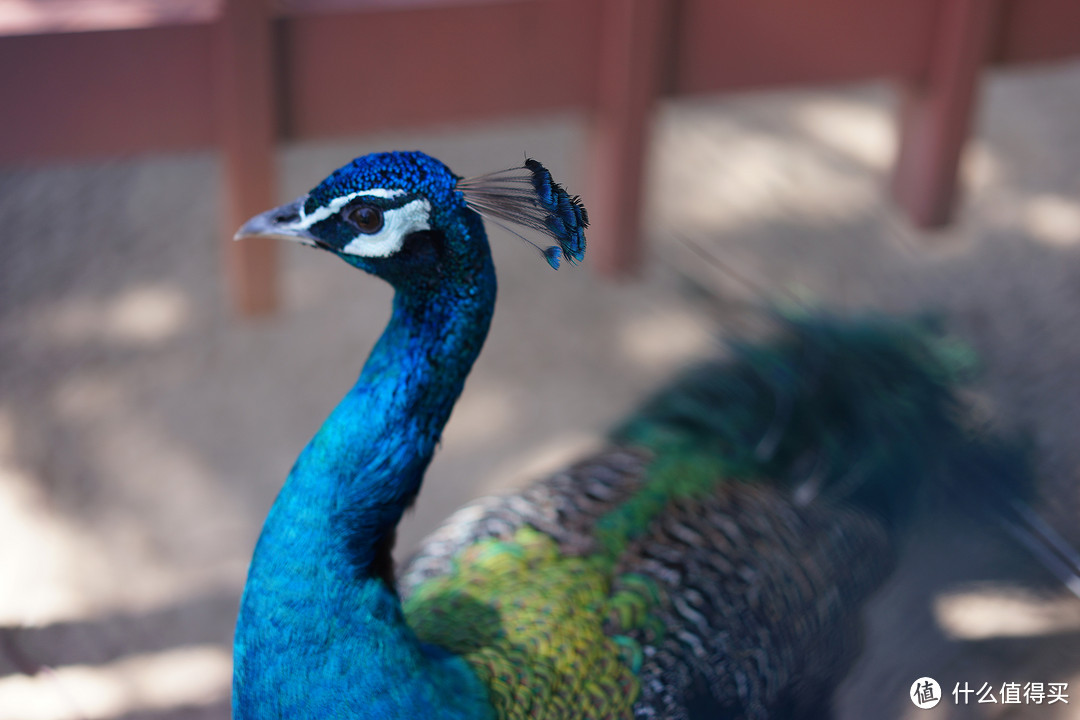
[{"x": 527, "y": 196}]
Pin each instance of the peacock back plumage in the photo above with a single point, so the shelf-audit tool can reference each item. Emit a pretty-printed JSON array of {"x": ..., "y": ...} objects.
[{"x": 681, "y": 572}]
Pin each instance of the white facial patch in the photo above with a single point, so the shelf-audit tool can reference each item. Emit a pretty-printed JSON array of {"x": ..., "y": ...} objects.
[
  {"x": 325, "y": 211},
  {"x": 398, "y": 223}
]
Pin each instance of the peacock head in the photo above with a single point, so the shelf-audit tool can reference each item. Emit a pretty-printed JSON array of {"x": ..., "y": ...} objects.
[{"x": 405, "y": 217}]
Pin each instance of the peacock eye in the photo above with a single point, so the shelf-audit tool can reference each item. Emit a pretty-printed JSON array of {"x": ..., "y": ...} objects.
[{"x": 368, "y": 219}]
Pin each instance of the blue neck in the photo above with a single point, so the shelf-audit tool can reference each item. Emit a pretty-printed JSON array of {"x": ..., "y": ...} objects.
[{"x": 321, "y": 632}]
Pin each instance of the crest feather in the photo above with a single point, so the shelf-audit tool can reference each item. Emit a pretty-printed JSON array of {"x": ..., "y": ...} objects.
[{"x": 527, "y": 196}]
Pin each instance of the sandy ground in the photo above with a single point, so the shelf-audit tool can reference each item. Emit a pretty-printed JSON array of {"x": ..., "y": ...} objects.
[{"x": 144, "y": 430}]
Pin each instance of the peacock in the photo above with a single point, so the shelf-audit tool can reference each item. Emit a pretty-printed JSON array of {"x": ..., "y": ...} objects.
[{"x": 710, "y": 563}]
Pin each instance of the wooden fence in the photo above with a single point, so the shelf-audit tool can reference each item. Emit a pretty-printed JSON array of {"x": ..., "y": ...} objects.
[{"x": 84, "y": 78}]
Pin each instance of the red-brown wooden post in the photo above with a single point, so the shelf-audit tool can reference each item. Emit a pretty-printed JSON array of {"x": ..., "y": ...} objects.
[
  {"x": 247, "y": 114},
  {"x": 936, "y": 111},
  {"x": 634, "y": 52}
]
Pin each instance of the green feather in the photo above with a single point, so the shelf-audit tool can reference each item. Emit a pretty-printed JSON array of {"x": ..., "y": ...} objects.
[
  {"x": 531, "y": 624},
  {"x": 869, "y": 404}
]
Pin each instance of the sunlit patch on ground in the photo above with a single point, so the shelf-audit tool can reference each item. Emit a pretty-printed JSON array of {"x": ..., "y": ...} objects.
[
  {"x": 1053, "y": 219},
  {"x": 861, "y": 131},
  {"x": 39, "y": 554},
  {"x": 1003, "y": 612},
  {"x": 140, "y": 316},
  {"x": 190, "y": 676}
]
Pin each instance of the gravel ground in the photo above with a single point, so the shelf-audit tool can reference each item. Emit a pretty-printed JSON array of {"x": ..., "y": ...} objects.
[{"x": 144, "y": 431}]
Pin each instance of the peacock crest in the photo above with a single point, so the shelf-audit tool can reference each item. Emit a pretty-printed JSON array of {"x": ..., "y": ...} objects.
[{"x": 528, "y": 196}]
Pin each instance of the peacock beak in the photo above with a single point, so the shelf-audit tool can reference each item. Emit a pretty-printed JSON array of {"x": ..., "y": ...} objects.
[{"x": 282, "y": 222}]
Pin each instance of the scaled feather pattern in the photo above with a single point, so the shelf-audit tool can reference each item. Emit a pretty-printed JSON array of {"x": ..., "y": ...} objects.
[{"x": 720, "y": 591}]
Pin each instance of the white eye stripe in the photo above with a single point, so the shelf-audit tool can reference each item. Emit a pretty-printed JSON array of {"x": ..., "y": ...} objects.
[
  {"x": 398, "y": 223},
  {"x": 321, "y": 213}
]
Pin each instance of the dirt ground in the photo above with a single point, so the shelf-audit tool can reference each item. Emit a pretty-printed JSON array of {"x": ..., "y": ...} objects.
[{"x": 144, "y": 431}]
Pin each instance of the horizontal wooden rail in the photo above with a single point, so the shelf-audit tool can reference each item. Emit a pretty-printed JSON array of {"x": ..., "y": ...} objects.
[
  {"x": 138, "y": 76},
  {"x": 90, "y": 78},
  {"x": 348, "y": 72}
]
